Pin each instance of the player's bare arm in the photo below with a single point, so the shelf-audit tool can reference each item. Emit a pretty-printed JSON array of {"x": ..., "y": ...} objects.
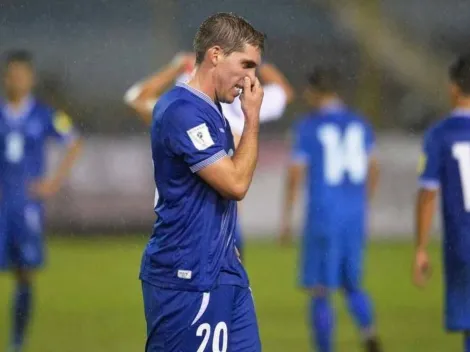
[
  {"x": 425, "y": 207},
  {"x": 232, "y": 177},
  {"x": 294, "y": 179},
  {"x": 51, "y": 185},
  {"x": 141, "y": 97}
]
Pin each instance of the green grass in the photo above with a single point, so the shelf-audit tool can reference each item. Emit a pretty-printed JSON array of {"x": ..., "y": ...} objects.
[{"x": 89, "y": 299}]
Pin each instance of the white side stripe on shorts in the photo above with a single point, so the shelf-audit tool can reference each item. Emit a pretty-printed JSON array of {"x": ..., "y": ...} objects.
[{"x": 204, "y": 304}]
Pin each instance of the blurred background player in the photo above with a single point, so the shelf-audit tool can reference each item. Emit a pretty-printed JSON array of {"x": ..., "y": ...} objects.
[
  {"x": 25, "y": 126},
  {"x": 332, "y": 149},
  {"x": 445, "y": 165},
  {"x": 277, "y": 94}
]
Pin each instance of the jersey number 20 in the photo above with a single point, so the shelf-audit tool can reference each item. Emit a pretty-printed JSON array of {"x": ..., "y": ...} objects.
[
  {"x": 14, "y": 147},
  {"x": 343, "y": 153},
  {"x": 219, "y": 339},
  {"x": 461, "y": 152}
]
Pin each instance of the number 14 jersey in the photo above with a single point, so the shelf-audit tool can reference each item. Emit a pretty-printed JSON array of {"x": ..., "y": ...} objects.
[{"x": 334, "y": 145}]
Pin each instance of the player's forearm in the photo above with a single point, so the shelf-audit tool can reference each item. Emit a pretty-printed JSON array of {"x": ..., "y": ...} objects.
[
  {"x": 425, "y": 206},
  {"x": 292, "y": 186},
  {"x": 63, "y": 170},
  {"x": 289, "y": 200},
  {"x": 372, "y": 178},
  {"x": 142, "y": 96},
  {"x": 155, "y": 85}
]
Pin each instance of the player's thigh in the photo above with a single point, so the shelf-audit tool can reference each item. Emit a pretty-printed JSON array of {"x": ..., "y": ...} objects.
[
  {"x": 457, "y": 297},
  {"x": 320, "y": 261},
  {"x": 168, "y": 314},
  {"x": 182, "y": 321},
  {"x": 211, "y": 328},
  {"x": 244, "y": 332},
  {"x": 26, "y": 225}
]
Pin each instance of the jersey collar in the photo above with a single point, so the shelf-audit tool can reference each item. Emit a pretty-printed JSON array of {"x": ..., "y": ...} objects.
[
  {"x": 21, "y": 112},
  {"x": 202, "y": 96},
  {"x": 460, "y": 112}
]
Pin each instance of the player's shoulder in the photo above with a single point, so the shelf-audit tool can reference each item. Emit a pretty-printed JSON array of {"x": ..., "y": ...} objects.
[
  {"x": 42, "y": 109},
  {"x": 178, "y": 107},
  {"x": 437, "y": 129}
]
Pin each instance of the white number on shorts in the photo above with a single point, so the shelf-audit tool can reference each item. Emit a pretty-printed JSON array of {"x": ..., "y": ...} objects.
[
  {"x": 461, "y": 152},
  {"x": 220, "y": 333},
  {"x": 343, "y": 155},
  {"x": 14, "y": 147}
]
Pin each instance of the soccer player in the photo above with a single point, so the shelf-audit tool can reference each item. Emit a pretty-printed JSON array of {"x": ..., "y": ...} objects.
[
  {"x": 445, "y": 165},
  {"x": 278, "y": 92},
  {"x": 332, "y": 149},
  {"x": 195, "y": 290},
  {"x": 25, "y": 126}
]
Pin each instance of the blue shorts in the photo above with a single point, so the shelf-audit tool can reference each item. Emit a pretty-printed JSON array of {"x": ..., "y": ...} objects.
[
  {"x": 21, "y": 236},
  {"x": 457, "y": 296},
  {"x": 223, "y": 319},
  {"x": 333, "y": 257}
]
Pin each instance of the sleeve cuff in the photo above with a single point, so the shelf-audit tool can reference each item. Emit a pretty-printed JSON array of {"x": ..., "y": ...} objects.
[
  {"x": 430, "y": 184},
  {"x": 209, "y": 161}
]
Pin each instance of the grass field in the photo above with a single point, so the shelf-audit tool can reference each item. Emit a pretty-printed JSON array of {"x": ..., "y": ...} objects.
[{"x": 89, "y": 300}]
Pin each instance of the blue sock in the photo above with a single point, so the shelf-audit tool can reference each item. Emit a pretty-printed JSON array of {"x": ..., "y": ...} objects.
[
  {"x": 467, "y": 341},
  {"x": 322, "y": 320},
  {"x": 21, "y": 313},
  {"x": 360, "y": 307}
]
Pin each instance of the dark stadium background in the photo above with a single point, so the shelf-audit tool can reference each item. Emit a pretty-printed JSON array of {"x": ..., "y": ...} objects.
[{"x": 393, "y": 55}]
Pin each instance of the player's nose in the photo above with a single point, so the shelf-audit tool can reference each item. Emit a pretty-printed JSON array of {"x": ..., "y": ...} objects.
[{"x": 252, "y": 76}]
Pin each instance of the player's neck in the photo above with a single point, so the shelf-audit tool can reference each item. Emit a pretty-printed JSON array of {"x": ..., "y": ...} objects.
[
  {"x": 16, "y": 101},
  {"x": 203, "y": 82},
  {"x": 463, "y": 103},
  {"x": 329, "y": 100}
]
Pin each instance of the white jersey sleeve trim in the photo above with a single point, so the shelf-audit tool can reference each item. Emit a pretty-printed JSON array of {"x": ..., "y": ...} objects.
[
  {"x": 429, "y": 184},
  {"x": 209, "y": 161}
]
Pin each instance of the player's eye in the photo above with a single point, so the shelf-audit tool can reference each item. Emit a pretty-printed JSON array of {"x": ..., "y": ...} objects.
[{"x": 248, "y": 64}]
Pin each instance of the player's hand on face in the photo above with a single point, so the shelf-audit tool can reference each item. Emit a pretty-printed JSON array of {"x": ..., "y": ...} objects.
[
  {"x": 421, "y": 268},
  {"x": 44, "y": 189},
  {"x": 251, "y": 98}
]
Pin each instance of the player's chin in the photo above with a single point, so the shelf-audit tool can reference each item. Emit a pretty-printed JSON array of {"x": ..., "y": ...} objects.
[{"x": 228, "y": 99}]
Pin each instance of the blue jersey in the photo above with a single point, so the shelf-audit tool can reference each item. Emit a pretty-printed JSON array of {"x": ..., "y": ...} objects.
[
  {"x": 23, "y": 137},
  {"x": 192, "y": 245},
  {"x": 334, "y": 144},
  {"x": 446, "y": 164}
]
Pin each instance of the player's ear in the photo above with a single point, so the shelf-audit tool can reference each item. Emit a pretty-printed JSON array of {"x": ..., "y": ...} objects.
[{"x": 215, "y": 54}]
